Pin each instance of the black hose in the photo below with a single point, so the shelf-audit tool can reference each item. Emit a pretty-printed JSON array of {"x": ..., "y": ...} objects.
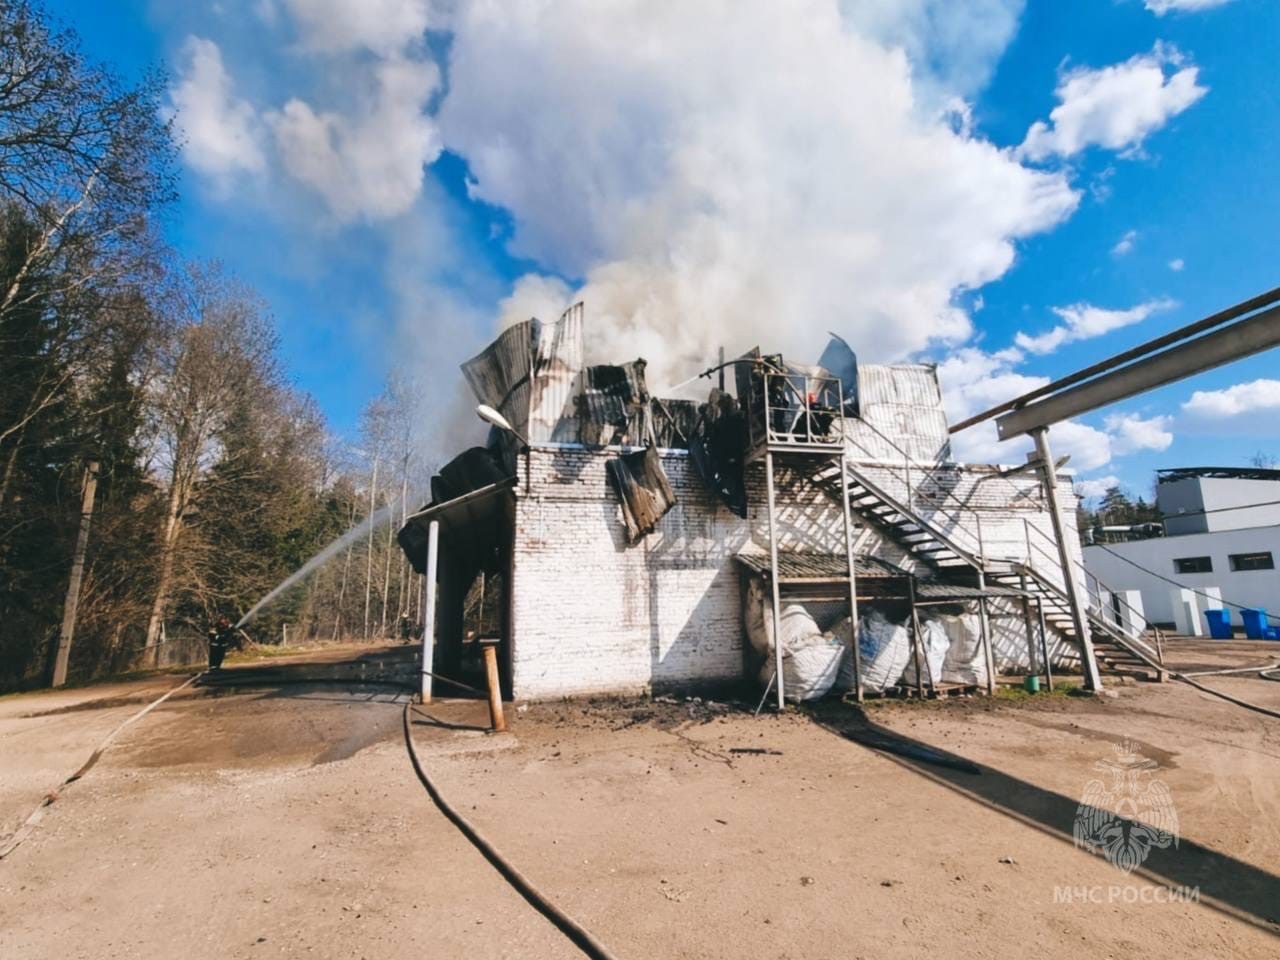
[
  {"x": 1230, "y": 699},
  {"x": 575, "y": 932}
]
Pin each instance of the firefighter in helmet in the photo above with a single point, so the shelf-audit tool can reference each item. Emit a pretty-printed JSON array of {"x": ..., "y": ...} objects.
[{"x": 221, "y": 636}]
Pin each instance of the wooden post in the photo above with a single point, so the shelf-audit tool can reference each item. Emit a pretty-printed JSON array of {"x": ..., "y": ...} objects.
[
  {"x": 496, "y": 718},
  {"x": 72, "y": 603},
  {"x": 773, "y": 580},
  {"x": 429, "y": 608}
]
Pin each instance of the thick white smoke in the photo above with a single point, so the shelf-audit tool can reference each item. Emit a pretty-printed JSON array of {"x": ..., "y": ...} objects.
[
  {"x": 720, "y": 173},
  {"x": 725, "y": 173}
]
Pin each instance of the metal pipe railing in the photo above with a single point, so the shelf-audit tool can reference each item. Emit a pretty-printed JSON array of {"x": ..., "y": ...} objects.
[
  {"x": 1096, "y": 601},
  {"x": 794, "y": 408},
  {"x": 974, "y": 544}
]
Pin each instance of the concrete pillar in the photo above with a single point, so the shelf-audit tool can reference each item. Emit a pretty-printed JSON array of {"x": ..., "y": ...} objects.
[
  {"x": 1133, "y": 617},
  {"x": 1209, "y": 598},
  {"x": 1186, "y": 612}
]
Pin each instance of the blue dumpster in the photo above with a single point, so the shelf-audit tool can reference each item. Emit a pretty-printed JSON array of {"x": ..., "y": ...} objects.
[
  {"x": 1219, "y": 624},
  {"x": 1255, "y": 624}
]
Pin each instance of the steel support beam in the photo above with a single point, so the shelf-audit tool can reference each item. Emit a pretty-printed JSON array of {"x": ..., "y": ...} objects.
[
  {"x": 773, "y": 580},
  {"x": 984, "y": 630},
  {"x": 1079, "y": 618},
  {"x": 429, "y": 608},
  {"x": 853, "y": 583},
  {"x": 1257, "y": 333}
]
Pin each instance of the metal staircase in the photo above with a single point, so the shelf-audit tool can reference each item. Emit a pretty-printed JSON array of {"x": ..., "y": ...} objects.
[
  {"x": 920, "y": 537},
  {"x": 1119, "y": 633},
  {"x": 957, "y": 553}
]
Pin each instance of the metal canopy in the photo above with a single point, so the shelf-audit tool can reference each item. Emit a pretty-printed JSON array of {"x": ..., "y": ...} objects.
[
  {"x": 468, "y": 509},
  {"x": 797, "y": 568}
]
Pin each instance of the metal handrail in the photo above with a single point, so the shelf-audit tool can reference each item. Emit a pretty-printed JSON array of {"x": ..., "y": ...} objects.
[
  {"x": 1153, "y": 654},
  {"x": 960, "y": 505},
  {"x": 929, "y": 471},
  {"x": 805, "y": 408},
  {"x": 1094, "y": 606},
  {"x": 906, "y": 474},
  {"x": 942, "y": 536}
]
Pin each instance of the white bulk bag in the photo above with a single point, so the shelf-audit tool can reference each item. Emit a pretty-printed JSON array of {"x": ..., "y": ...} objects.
[
  {"x": 884, "y": 649},
  {"x": 810, "y": 661},
  {"x": 965, "y": 662},
  {"x": 935, "y": 643}
]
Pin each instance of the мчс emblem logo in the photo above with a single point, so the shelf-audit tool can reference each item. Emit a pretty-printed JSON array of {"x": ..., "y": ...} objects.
[{"x": 1127, "y": 814}]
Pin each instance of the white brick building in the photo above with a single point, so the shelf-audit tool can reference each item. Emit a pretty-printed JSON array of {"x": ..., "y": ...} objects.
[{"x": 585, "y": 608}]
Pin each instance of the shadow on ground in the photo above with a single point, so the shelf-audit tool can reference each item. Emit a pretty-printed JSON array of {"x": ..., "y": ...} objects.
[{"x": 1240, "y": 889}]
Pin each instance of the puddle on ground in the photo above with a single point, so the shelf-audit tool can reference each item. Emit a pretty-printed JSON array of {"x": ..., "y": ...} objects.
[{"x": 1161, "y": 756}]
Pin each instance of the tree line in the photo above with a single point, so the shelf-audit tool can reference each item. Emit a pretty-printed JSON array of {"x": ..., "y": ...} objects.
[{"x": 157, "y": 382}]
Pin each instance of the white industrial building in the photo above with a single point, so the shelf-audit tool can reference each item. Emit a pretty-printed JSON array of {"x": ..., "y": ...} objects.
[
  {"x": 1221, "y": 537},
  {"x": 608, "y": 540}
]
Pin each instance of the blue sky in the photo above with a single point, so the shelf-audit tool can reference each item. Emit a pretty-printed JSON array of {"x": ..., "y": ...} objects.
[{"x": 397, "y": 178}]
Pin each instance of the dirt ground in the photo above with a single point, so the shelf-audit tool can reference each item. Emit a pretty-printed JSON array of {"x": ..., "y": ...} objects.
[{"x": 274, "y": 818}]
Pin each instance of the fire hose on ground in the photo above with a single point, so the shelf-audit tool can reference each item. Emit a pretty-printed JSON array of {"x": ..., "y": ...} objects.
[
  {"x": 52, "y": 796},
  {"x": 576, "y": 933}
]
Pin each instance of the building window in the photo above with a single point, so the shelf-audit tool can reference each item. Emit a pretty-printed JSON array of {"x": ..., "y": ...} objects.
[
  {"x": 1194, "y": 565},
  {"x": 1252, "y": 561}
]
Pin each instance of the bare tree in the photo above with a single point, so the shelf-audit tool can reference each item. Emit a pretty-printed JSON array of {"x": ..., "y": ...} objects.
[
  {"x": 221, "y": 350},
  {"x": 368, "y": 567},
  {"x": 84, "y": 162}
]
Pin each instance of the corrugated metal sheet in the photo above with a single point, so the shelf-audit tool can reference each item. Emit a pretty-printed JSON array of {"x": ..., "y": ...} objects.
[
  {"x": 499, "y": 374},
  {"x": 904, "y": 402},
  {"x": 940, "y": 590},
  {"x": 557, "y": 369},
  {"x": 531, "y": 373},
  {"x": 797, "y": 566},
  {"x": 643, "y": 489},
  {"x": 674, "y": 422},
  {"x": 613, "y": 403},
  {"x": 819, "y": 566}
]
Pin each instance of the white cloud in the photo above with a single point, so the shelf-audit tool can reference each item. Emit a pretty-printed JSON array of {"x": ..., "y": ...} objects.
[
  {"x": 1131, "y": 433},
  {"x": 1257, "y": 396},
  {"x": 954, "y": 46},
  {"x": 367, "y": 163},
  {"x": 1083, "y": 321},
  {"x": 725, "y": 173},
  {"x": 1177, "y": 264},
  {"x": 1115, "y": 107},
  {"x": 1089, "y": 447},
  {"x": 383, "y": 26},
  {"x": 1161, "y": 7},
  {"x": 1096, "y": 487},
  {"x": 973, "y": 380},
  {"x": 1125, "y": 244},
  {"x": 219, "y": 134}
]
